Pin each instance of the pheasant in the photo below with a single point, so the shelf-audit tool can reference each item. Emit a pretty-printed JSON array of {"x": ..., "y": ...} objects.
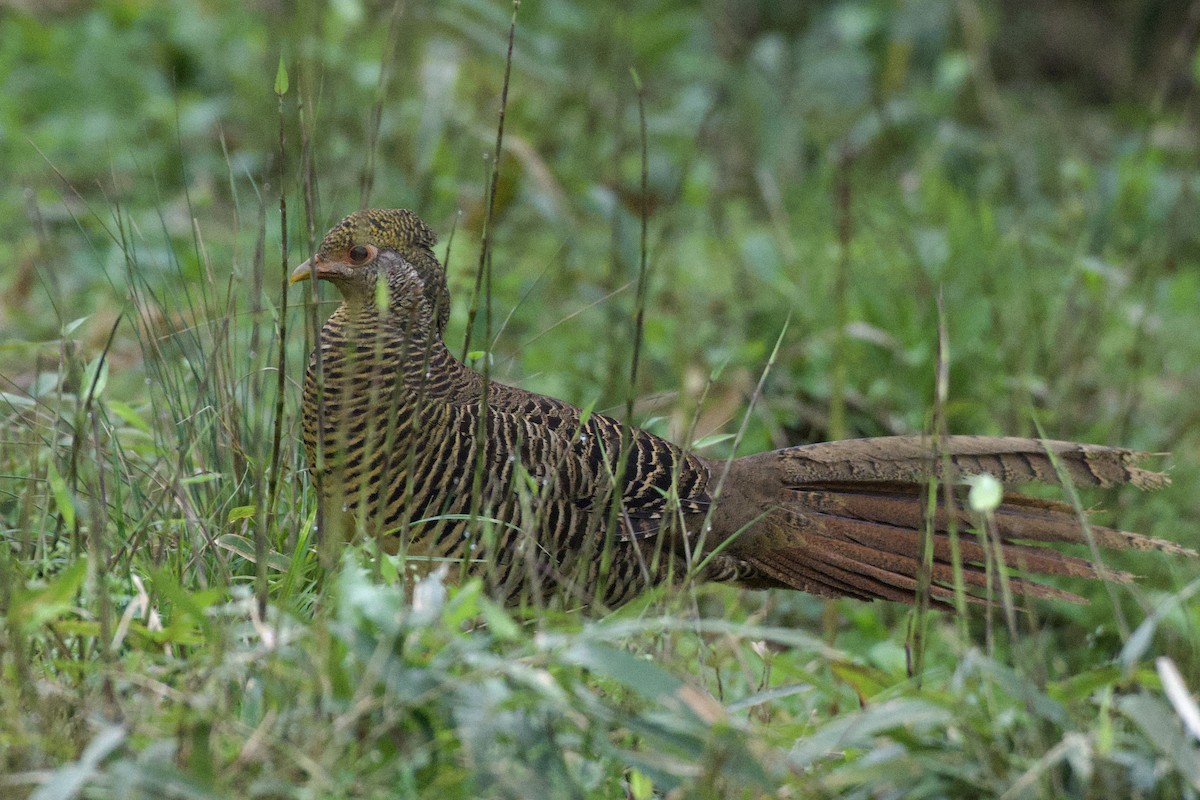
[{"x": 542, "y": 500}]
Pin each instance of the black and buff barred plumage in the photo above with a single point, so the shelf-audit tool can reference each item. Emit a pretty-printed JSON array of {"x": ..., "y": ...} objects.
[{"x": 412, "y": 446}]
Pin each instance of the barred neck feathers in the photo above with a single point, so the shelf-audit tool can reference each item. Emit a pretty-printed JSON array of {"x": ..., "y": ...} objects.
[
  {"x": 400, "y": 308},
  {"x": 361, "y": 343}
]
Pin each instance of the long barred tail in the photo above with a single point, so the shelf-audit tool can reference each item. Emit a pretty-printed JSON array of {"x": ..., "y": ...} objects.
[{"x": 853, "y": 514}]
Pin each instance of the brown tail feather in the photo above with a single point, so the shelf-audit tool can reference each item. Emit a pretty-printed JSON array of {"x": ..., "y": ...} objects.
[
  {"x": 1019, "y": 517},
  {"x": 900, "y": 568},
  {"x": 796, "y": 568},
  {"x": 869, "y": 573},
  {"x": 902, "y": 537},
  {"x": 852, "y": 515},
  {"x": 1012, "y": 460}
]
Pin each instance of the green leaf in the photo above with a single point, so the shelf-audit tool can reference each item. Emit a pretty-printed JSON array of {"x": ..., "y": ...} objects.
[
  {"x": 1177, "y": 692},
  {"x": 866, "y": 681},
  {"x": 244, "y": 547},
  {"x": 190, "y": 604},
  {"x": 641, "y": 676},
  {"x": 203, "y": 477},
  {"x": 464, "y": 603},
  {"x": 585, "y": 413},
  {"x": 281, "y": 78},
  {"x": 768, "y": 696},
  {"x": 1020, "y": 686},
  {"x": 1085, "y": 684},
  {"x": 17, "y": 399},
  {"x": 95, "y": 378},
  {"x": 861, "y": 729},
  {"x": 389, "y": 567},
  {"x": 1142, "y": 636},
  {"x": 640, "y": 786},
  {"x": 62, "y": 496},
  {"x": 717, "y": 370},
  {"x": 126, "y": 413},
  {"x": 1137, "y": 643},
  {"x": 1163, "y": 729},
  {"x": 72, "y": 326},
  {"x": 298, "y": 562},
  {"x": 241, "y": 512},
  {"x": 499, "y": 622},
  {"x": 711, "y": 439}
]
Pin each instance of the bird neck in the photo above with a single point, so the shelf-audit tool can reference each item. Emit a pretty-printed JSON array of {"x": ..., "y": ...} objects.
[{"x": 391, "y": 342}]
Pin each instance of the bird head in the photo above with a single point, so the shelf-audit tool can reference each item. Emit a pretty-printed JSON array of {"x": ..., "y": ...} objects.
[{"x": 388, "y": 245}]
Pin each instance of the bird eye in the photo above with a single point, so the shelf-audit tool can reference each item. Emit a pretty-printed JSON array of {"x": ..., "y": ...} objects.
[{"x": 360, "y": 254}]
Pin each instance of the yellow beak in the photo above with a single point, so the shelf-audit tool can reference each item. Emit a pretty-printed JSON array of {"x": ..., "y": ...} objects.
[{"x": 309, "y": 269}]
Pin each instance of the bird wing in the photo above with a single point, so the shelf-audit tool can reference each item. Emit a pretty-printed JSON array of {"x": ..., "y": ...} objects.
[{"x": 659, "y": 480}]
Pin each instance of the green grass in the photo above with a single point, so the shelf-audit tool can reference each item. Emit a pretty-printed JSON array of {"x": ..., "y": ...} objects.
[{"x": 139, "y": 357}]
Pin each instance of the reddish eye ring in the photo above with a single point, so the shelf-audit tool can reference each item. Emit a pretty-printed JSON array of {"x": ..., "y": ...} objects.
[{"x": 361, "y": 253}]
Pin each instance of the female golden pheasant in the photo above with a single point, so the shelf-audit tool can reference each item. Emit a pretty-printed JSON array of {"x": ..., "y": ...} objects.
[{"x": 410, "y": 445}]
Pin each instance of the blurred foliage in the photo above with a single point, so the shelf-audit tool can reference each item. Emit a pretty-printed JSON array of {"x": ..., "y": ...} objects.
[{"x": 1032, "y": 164}]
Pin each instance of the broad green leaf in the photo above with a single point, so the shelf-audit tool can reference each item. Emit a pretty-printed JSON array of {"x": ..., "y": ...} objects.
[
  {"x": 1164, "y": 730},
  {"x": 860, "y": 729},
  {"x": 866, "y": 681},
  {"x": 389, "y": 569},
  {"x": 768, "y": 696},
  {"x": 1143, "y": 635},
  {"x": 1085, "y": 684},
  {"x": 464, "y": 603},
  {"x": 499, "y": 622},
  {"x": 635, "y": 673}
]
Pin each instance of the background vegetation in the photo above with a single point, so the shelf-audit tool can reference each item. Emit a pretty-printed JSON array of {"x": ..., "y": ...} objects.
[{"x": 825, "y": 171}]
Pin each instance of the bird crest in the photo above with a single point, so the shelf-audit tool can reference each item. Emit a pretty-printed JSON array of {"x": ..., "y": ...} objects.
[{"x": 387, "y": 228}]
